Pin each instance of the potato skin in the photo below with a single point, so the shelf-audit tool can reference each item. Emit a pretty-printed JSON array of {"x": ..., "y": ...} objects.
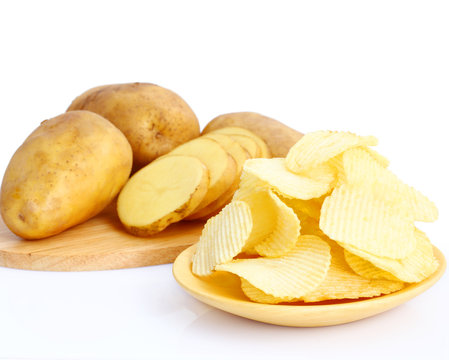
[
  {"x": 154, "y": 120},
  {"x": 279, "y": 137},
  {"x": 67, "y": 170}
]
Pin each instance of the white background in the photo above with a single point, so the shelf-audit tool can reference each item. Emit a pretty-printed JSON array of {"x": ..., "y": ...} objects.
[{"x": 379, "y": 68}]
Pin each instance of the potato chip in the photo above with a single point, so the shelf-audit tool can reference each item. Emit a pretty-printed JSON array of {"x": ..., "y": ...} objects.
[
  {"x": 355, "y": 155},
  {"x": 366, "y": 269},
  {"x": 285, "y": 233},
  {"x": 415, "y": 267},
  {"x": 310, "y": 226},
  {"x": 362, "y": 170},
  {"x": 249, "y": 183},
  {"x": 264, "y": 216},
  {"x": 291, "y": 275},
  {"x": 309, "y": 208},
  {"x": 343, "y": 283},
  {"x": 356, "y": 217},
  {"x": 330, "y": 221},
  {"x": 318, "y": 147},
  {"x": 382, "y": 160},
  {"x": 223, "y": 237},
  {"x": 312, "y": 184},
  {"x": 259, "y": 296}
]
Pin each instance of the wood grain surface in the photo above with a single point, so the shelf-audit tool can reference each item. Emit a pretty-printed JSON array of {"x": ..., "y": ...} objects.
[{"x": 98, "y": 244}]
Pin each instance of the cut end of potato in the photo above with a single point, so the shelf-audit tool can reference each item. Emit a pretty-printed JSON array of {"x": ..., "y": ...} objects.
[
  {"x": 222, "y": 166},
  {"x": 161, "y": 193},
  {"x": 263, "y": 150}
]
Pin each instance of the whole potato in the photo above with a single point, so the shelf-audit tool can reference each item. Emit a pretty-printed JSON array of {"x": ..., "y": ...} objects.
[
  {"x": 68, "y": 170},
  {"x": 279, "y": 137},
  {"x": 155, "y": 120}
]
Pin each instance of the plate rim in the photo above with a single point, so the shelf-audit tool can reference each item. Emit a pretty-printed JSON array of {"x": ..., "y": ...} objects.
[{"x": 394, "y": 299}]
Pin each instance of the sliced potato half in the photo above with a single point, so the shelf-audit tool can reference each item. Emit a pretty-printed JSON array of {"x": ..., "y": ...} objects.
[
  {"x": 245, "y": 141},
  {"x": 240, "y": 155},
  {"x": 234, "y": 130},
  {"x": 161, "y": 193},
  {"x": 222, "y": 167}
]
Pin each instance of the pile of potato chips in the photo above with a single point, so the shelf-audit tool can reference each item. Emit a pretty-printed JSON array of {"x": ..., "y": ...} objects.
[{"x": 329, "y": 221}]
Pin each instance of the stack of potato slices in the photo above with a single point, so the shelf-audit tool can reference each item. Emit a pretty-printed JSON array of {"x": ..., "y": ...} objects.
[{"x": 193, "y": 181}]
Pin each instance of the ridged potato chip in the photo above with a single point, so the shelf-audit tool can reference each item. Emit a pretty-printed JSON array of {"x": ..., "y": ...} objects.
[
  {"x": 356, "y": 217},
  {"x": 249, "y": 184},
  {"x": 259, "y": 296},
  {"x": 343, "y": 283},
  {"x": 362, "y": 170},
  {"x": 284, "y": 235},
  {"x": 318, "y": 147},
  {"x": 311, "y": 208},
  {"x": 310, "y": 226},
  {"x": 222, "y": 238},
  {"x": 415, "y": 267},
  {"x": 291, "y": 275},
  {"x": 263, "y": 214},
  {"x": 366, "y": 269},
  {"x": 275, "y": 225},
  {"x": 312, "y": 184},
  {"x": 382, "y": 160}
]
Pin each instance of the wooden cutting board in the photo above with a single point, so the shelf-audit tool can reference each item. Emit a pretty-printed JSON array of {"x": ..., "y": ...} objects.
[{"x": 101, "y": 243}]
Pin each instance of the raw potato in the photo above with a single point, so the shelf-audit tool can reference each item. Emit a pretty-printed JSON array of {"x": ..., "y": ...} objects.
[
  {"x": 238, "y": 152},
  {"x": 240, "y": 155},
  {"x": 162, "y": 193},
  {"x": 154, "y": 120},
  {"x": 68, "y": 170},
  {"x": 249, "y": 144},
  {"x": 232, "y": 131},
  {"x": 279, "y": 137},
  {"x": 222, "y": 167}
]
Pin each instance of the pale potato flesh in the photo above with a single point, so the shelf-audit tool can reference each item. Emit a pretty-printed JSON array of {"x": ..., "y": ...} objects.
[
  {"x": 240, "y": 155},
  {"x": 249, "y": 144},
  {"x": 162, "y": 193},
  {"x": 234, "y": 149},
  {"x": 232, "y": 130},
  {"x": 279, "y": 137},
  {"x": 222, "y": 167}
]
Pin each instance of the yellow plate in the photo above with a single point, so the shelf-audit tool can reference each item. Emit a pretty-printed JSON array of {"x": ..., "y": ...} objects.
[{"x": 222, "y": 290}]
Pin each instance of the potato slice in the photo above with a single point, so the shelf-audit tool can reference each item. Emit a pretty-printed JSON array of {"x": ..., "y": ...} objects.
[
  {"x": 222, "y": 167},
  {"x": 279, "y": 137},
  {"x": 248, "y": 143},
  {"x": 240, "y": 155},
  {"x": 215, "y": 206},
  {"x": 161, "y": 193},
  {"x": 233, "y": 130}
]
